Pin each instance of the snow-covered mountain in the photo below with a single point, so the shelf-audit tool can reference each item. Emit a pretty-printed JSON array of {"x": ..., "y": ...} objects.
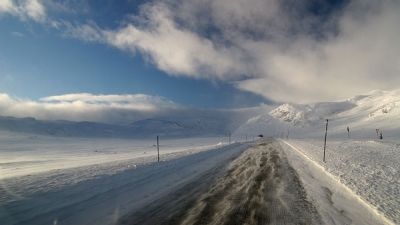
[
  {"x": 166, "y": 127},
  {"x": 363, "y": 114}
]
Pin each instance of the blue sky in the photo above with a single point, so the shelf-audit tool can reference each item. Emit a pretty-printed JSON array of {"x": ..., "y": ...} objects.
[
  {"x": 42, "y": 63},
  {"x": 203, "y": 54}
]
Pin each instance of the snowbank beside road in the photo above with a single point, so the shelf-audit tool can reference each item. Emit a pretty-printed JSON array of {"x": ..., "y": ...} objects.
[{"x": 369, "y": 168}]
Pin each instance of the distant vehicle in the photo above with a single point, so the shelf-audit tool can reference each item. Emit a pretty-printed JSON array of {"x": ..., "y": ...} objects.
[{"x": 260, "y": 135}]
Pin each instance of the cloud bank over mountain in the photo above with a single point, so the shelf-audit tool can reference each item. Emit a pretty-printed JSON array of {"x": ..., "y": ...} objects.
[{"x": 112, "y": 108}]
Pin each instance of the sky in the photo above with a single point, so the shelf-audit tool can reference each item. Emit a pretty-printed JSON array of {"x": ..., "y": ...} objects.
[{"x": 118, "y": 61}]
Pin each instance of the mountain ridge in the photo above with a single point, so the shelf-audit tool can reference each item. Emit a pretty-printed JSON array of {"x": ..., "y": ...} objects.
[{"x": 376, "y": 110}]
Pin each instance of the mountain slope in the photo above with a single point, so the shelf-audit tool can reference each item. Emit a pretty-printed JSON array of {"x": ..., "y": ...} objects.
[{"x": 363, "y": 114}]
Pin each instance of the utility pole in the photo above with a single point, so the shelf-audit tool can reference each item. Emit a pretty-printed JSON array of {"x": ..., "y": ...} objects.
[
  {"x": 326, "y": 132},
  {"x": 229, "y": 137}
]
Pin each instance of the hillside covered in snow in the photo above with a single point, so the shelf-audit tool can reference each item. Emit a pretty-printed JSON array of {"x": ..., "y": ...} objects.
[{"x": 363, "y": 114}]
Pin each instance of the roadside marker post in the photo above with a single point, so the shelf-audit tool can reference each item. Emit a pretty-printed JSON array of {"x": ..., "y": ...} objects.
[
  {"x": 158, "y": 150},
  {"x": 326, "y": 132}
]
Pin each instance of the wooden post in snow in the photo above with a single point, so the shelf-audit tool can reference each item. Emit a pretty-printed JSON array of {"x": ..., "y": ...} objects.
[
  {"x": 348, "y": 132},
  {"x": 326, "y": 132},
  {"x": 158, "y": 150}
]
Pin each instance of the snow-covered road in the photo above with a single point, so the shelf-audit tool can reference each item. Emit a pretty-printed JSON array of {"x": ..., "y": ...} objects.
[{"x": 258, "y": 187}]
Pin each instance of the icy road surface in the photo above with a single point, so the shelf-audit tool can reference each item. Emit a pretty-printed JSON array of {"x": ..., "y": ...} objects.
[{"x": 258, "y": 187}]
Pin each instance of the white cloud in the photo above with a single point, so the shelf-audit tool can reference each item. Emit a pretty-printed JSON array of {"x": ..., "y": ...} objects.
[
  {"x": 174, "y": 50},
  {"x": 89, "y": 107},
  {"x": 7, "y": 6},
  {"x": 34, "y": 9},
  {"x": 138, "y": 101},
  {"x": 87, "y": 32},
  {"x": 113, "y": 108},
  {"x": 24, "y": 9},
  {"x": 364, "y": 56},
  {"x": 271, "y": 48},
  {"x": 17, "y": 34}
]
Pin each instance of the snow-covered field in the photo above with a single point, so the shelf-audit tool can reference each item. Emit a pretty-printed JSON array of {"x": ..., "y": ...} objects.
[
  {"x": 24, "y": 154},
  {"x": 66, "y": 180}
]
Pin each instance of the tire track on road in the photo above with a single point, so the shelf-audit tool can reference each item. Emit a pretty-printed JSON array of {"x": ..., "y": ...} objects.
[{"x": 257, "y": 187}]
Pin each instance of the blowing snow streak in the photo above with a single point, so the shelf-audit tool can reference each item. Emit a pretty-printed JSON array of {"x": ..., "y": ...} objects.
[{"x": 257, "y": 187}]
